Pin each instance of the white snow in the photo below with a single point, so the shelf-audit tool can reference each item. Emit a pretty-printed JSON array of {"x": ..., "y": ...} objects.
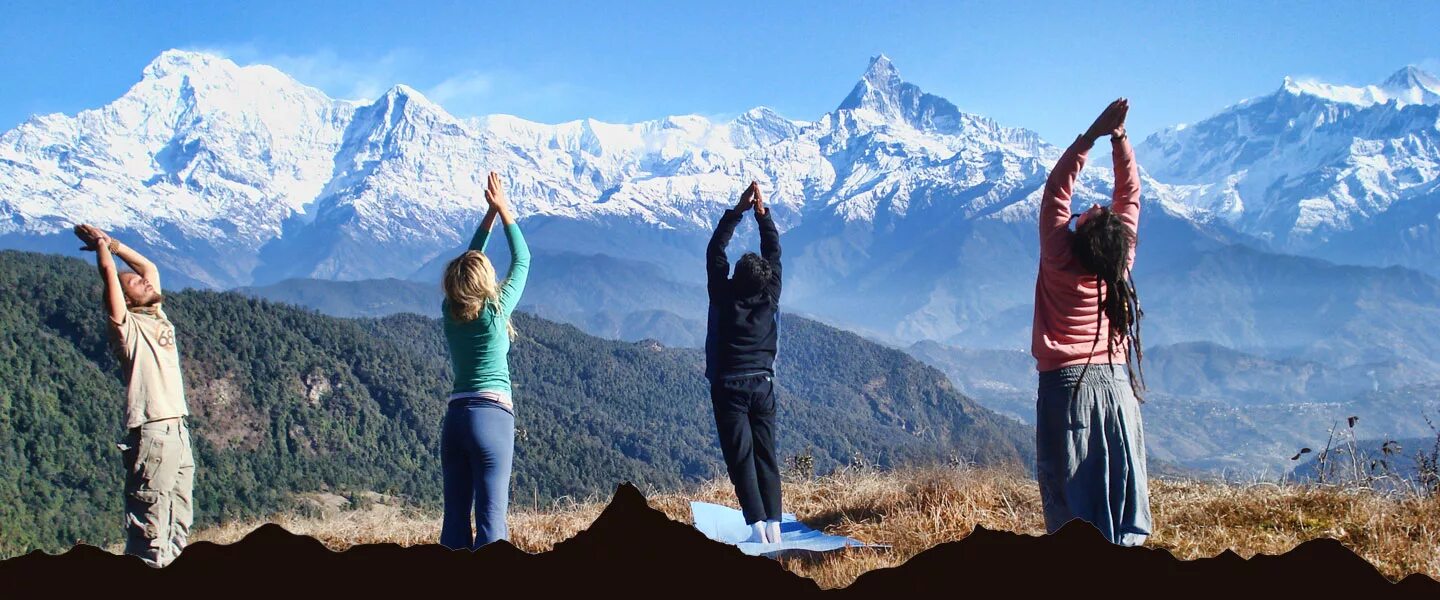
[
  {"x": 1306, "y": 162},
  {"x": 1408, "y": 86},
  {"x": 230, "y": 156}
]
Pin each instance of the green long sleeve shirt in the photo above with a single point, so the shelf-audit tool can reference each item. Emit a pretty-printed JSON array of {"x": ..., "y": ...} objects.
[{"x": 479, "y": 348}]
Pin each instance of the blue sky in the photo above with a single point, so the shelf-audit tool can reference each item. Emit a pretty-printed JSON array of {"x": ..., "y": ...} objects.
[{"x": 1048, "y": 66}]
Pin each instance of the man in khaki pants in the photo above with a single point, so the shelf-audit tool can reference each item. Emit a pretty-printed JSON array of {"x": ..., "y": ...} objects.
[{"x": 159, "y": 467}]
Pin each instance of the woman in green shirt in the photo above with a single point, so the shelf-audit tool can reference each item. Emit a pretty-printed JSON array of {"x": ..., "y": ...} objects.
[{"x": 477, "y": 438}]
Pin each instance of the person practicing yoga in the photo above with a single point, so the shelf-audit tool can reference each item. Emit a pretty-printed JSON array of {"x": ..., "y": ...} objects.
[
  {"x": 740, "y": 344},
  {"x": 159, "y": 464},
  {"x": 1089, "y": 440},
  {"x": 477, "y": 437}
]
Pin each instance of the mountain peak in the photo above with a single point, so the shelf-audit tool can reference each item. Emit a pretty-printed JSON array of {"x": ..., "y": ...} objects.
[
  {"x": 883, "y": 96},
  {"x": 761, "y": 125},
  {"x": 183, "y": 61},
  {"x": 1412, "y": 77},
  {"x": 408, "y": 97},
  {"x": 401, "y": 90},
  {"x": 878, "y": 89},
  {"x": 758, "y": 113},
  {"x": 881, "y": 71},
  {"x": 763, "y": 115}
]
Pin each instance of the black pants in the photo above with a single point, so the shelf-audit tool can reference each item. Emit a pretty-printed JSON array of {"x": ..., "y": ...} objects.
[{"x": 745, "y": 417}]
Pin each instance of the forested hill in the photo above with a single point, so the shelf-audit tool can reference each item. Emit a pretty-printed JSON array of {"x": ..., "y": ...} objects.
[{"x": 286, "y": 400}]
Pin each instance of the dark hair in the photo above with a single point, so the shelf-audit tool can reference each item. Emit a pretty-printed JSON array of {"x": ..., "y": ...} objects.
[
  {"x": 752, "y": 272},
  {"x": 1102, "y": 246}
]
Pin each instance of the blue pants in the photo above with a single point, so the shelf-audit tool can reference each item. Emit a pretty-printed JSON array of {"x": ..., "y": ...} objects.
[
  {"x": 1090, "y": 453},
  {"x": 477, "y": 448}
]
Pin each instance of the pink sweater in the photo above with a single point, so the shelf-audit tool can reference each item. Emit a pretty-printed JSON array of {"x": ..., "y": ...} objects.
[{"x": 1067, "y": 304}]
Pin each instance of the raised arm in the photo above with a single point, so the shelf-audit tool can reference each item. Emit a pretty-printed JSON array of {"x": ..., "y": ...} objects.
[
  {"x": 138, "y": 263},
  {"x": 482, "y": 233},
  {"x": 1126, "y": 201},
  {"x": 769, "y": 235},
  {"x": 514, "y": 284},
  {"x": 769, "y": 238},
  {"x": 1055, "y": 201},
  {"x": 717, "y": 264},
  {"x": 99, "y": 243}
]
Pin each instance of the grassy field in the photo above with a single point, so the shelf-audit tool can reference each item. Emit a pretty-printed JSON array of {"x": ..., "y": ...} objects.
[{"x": 915, "y": 510}]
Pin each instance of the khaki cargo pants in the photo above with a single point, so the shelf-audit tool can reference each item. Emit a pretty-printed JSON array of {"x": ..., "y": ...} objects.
[{"x": 159, "y": 478}]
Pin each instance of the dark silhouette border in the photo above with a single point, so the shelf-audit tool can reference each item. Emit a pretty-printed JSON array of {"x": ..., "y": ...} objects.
[{"x": 636, "y": 551}]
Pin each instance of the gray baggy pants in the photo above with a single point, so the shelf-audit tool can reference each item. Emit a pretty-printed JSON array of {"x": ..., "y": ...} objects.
[
  {"x": 1090, "y": 453},
  {"x": 159, "y": 479}
]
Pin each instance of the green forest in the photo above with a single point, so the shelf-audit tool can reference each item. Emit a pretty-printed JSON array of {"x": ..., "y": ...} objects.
[{"x": 285, "y": 400}]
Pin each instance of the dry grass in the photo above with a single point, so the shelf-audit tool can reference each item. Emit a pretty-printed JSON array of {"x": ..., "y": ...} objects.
[{"x": 915, "y": 510}]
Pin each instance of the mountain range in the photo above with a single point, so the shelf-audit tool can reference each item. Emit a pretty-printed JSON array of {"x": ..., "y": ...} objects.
[
  {"x": 905, "y": 217},
  {"x": 1312, "y": 167}
]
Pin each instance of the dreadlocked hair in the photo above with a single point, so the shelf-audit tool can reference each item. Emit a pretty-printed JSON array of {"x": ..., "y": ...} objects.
[{"x": 1102, "y": 246}]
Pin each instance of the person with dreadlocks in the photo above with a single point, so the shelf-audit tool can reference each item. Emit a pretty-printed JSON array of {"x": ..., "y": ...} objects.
[{"x": 1089, "y": 440}]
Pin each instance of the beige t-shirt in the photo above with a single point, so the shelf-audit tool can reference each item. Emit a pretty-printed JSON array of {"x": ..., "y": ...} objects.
[{"x": 151, "y": 364}]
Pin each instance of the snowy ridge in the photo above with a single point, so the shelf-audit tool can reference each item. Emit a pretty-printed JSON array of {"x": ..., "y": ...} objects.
[
  {"x": 1410, "y": 85},
  {"x": 1306, "y": 162},
  {"x": 246, "y": 157},
  {"x": 245, "y": 175},
  {"x": 169, "y": 150}
]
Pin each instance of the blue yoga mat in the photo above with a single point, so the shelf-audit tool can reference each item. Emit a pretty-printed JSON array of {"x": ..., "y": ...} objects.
[{"x": 725, "y": 524}]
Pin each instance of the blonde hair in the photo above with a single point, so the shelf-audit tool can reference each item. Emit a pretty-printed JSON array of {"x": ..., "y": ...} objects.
[{"x": 470, "y": 286}]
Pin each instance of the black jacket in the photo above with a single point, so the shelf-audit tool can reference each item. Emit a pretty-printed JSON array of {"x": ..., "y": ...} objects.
[{"x": 741, "y": 332}]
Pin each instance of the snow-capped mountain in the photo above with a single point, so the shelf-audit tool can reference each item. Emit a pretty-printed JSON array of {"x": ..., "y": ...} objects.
[
  {"x": 904, "y": 216},
  {"x": 282, "y": 180},
  {"x": 291, "y": 182},
  {"x": 1306, "y": 165},
  {"x": 198, "y": 154}
]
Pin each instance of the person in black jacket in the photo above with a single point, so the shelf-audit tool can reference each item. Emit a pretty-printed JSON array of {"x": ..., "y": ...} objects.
[{"x": 740, "y": 344}]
